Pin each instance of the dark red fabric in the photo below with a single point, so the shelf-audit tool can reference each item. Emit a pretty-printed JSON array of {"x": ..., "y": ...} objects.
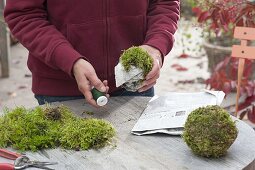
[{"x": 59, "y": 32}]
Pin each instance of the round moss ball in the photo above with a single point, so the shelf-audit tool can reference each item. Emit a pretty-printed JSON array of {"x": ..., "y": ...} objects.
[
  {"x": 137, "y": 57},
  {"x": 209, "y": 131}
]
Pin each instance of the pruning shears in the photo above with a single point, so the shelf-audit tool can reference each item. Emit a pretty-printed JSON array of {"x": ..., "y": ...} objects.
[{"x": 21, "y": 161}]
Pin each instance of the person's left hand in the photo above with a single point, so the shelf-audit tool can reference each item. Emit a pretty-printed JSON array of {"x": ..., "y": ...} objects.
[{"x": 153, "y": 75}]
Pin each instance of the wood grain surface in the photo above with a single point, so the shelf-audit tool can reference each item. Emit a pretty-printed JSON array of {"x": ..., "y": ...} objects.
[{"x": 153, "y": 152}]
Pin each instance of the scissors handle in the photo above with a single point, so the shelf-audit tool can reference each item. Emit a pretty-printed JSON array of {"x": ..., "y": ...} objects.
[
  {"x": 6, "y": 166},
  {"x": 8, "y": 154}
]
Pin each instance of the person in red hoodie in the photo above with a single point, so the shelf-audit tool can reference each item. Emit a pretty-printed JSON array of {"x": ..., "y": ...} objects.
[{"x": 74, "y": 45}]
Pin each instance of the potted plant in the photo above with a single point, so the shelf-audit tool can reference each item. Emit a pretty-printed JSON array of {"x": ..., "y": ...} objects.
[
  {"x": 219, "y": 18},
  {"x": 224, "y": 77}
]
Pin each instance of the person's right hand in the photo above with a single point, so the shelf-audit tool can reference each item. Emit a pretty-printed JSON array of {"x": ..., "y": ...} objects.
[{"x": 86, "y": 78}]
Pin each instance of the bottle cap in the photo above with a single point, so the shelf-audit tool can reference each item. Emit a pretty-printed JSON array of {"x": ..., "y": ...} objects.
[
  {"x": 99, "y": 97},
  {"x": 102, "y": 100}
]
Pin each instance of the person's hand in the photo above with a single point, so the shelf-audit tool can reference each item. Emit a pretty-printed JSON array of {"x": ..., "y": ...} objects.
[
  {"x": 153, "y": 75},
  {"x": 86, "y": 78}
]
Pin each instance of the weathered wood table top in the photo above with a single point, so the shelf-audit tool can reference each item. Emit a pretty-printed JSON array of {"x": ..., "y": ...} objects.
[{"x": 156, "y": 152}]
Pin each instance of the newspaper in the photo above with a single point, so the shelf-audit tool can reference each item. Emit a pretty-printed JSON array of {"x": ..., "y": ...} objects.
[
  {"x": 130, "y": 80},
  {"x": 168, "y": 113}
]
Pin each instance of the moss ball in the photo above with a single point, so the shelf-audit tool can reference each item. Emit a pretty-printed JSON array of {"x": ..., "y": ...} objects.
[
  {"x": 137, "y": 57},
  {"x": 209, "y": 131}
]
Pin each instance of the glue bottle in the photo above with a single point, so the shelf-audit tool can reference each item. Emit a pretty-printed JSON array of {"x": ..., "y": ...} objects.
[{"x": 99, "y": 97}]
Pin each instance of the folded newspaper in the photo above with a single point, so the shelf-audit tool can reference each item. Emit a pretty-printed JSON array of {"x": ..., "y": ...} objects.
[
  {"x": 130, "y": 80},
  {"x": 168, "y": 113}
]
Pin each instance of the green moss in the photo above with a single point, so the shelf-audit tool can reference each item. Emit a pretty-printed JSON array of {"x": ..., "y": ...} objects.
[
  {"x": 86, "y": 133},
  {"x": 88, "y": 112},
  {"x": 49, "y": 127},
  {"x": 137, "y": 57},
  {"x": 26, "y": 129},
  {"x": 61, "y": 113},
  {"x": 209, "y": 131}
]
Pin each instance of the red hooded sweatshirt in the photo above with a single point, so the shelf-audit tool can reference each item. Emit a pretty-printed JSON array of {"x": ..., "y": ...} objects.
[{"x": 59, "y": 32}]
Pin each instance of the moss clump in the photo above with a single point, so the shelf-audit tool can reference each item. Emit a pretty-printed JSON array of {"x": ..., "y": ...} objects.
[
  {"x": 209, "y": 131},
  {"x": 27, "y": 130},
  {"x": 85, "y": 134},
  {"x": 88, "y": 112},
  {"x": 137, "y": 57},
  {"x": 51, "y": 127},
  {"x": 53, "y": 113}
]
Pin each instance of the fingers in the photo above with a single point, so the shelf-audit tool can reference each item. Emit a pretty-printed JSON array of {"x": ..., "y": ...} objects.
[
  {"x": 99, "y": 85},
  {"x": 105, "y": 82},
  {"x": 151, "y": 81},
  {"x": 86, "y": 77},
  {"x": 148, "y": 84},
  {"x": 155, "y": 69},
  {"x": 146, "y": 87},
  {"x": 85, "y": 88},
  {"x": 89, "y": 98},
  {"x": 153, "y": 75},
  {"x": 107, "y": 89},
  {"x": 96, "y": 82}
]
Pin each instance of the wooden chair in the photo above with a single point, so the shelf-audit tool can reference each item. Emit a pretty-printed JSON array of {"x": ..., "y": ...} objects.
[
  {"x": 4, "y": 43},
  {"x": 243, "y": 52}
]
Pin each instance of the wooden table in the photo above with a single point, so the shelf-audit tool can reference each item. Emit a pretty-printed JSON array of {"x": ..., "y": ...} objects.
[{"x": 156, "y": 152}]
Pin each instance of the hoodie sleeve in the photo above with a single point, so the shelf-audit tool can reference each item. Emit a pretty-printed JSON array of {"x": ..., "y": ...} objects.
[
  {"x": 27, "y": 20},
  {"x": 162, "y": 18}
]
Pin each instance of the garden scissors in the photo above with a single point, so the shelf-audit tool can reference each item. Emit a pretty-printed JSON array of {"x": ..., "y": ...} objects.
[{"x": 21, "y": 162}]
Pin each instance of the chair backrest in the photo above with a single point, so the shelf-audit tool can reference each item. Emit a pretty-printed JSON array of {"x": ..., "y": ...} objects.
[
  {"x": 244, "y": 33},
  {"x": 244, "y": 51}
]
